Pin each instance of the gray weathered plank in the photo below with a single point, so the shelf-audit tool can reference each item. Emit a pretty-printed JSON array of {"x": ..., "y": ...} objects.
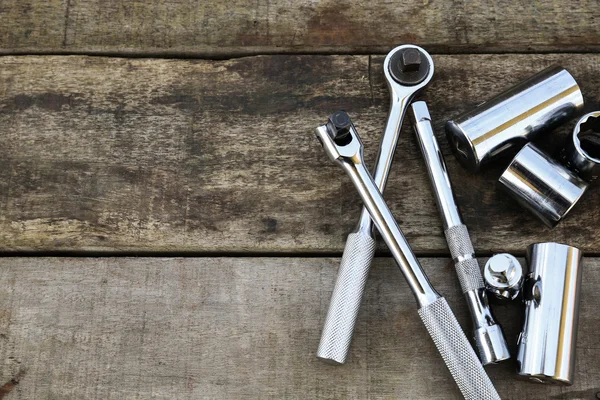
[
  {"x": 209, "y": 28},
  {"x": 125, "y": 328},
  {"x": 146, "y": 155}
]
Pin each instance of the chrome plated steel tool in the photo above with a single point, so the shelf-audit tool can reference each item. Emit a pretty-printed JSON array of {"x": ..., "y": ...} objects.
[
  {"x": 509, "y": 120},
  {"x": 542, "y": 185},
  {"x": 503, "y": 277},
  {"x": 343, "y": 145},
  {"x": 408, "y": 69},
  {"x": 582, "y": 152},
  {"x": 551, "y": 292},
  {"x": 487, "y": 334}
]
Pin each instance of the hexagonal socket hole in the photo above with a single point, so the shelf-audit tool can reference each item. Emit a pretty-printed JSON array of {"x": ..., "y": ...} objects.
[{"x": 589, "y": 137}]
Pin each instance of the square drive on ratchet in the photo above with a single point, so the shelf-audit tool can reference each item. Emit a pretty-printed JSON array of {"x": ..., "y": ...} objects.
[{"x": 408, "y": 69}]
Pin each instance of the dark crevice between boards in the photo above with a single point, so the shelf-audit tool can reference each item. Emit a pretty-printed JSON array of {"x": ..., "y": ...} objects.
[
  {"x": 234, "y": 54},
  {"x": 229, "y": 254}
]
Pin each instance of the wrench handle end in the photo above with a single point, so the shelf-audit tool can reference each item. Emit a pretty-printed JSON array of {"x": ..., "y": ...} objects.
[{"x": 346, "y": 298}]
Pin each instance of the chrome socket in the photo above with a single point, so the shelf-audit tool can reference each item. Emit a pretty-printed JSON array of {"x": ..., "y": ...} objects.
[
  {"x": 503, "y": 277},
  {"x": 509, "y": 120},
  {"x": 582, "y": 151},
  {"x": 543, "y": 186},
  {"x": 551, "y": 292}
]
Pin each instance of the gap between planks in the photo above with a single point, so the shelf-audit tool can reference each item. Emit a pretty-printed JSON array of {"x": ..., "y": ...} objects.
[{"x": 243, "y": 54}]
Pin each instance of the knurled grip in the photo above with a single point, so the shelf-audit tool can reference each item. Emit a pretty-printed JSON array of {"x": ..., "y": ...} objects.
[
  {"x": 455, "y": 349},
  {"x": 346, "y": 298},
  {"x": 461, "y": 249}
]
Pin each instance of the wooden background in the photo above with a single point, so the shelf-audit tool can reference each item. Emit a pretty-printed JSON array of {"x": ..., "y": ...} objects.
[{"x": 181, "y": 133}]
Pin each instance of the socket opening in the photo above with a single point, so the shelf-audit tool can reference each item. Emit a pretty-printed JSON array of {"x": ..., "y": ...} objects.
[
  {"x": 460, "y": 147},
  {"x": 589, "y": 137}
]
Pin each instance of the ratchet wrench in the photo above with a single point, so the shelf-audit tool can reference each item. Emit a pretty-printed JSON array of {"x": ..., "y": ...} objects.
[
  {"x": 408, "y": 69},
  {"x": 343, "y": 145},
  {"x": 488, "y": 336}
]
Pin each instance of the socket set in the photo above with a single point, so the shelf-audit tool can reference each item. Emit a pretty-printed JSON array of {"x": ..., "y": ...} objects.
[{"x": 547, "y": 287}]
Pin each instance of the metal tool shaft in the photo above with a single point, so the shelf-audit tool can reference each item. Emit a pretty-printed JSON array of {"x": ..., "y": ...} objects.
[
  {"x": 398, "y": 106},
  {"x": 424, "y": 293},
  {"x": 360, "y": 246},
  {"x": 489, "y": 340},
  {"x": 436, "y": 167}
]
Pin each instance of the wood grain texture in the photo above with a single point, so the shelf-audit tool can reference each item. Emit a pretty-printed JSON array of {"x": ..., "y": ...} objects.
[
  {"x": 153, "y": 155},
  {"x": 217, "y": 28},
  {"x": 222, "y": 328}
]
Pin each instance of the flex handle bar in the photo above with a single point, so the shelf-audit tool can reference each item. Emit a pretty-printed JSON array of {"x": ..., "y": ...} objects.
[
  {"x": 343, "y": 145},
  {"x": 408, "y": 69}
]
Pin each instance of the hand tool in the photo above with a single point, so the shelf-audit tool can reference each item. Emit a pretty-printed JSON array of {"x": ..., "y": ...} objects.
[
  {"x": 343, "y": 145},
  {"x": 543, "y": 186},
  {"x": 487, "y": 334},
  {"x": 582, "y": 152},
  {"x": 551, "y": 292},
  {"x": 503, "y": 277},
  {"x": 512, "y": 118},
  {"x": 408, "y": 69}
]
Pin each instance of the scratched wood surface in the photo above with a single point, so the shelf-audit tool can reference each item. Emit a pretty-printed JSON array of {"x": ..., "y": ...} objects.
[
  {"x": 156, "y": 155},
  {"x": 224, "y": 28},
  {"x": 216, "y": 158},
  {"x": 203, "y": 328}
]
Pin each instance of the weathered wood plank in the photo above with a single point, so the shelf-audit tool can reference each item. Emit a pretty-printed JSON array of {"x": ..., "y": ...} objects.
[
  {"x": 111, "y": 154},
  {"x": 118, "y": 328},
  {"x": 210, "y": 28}
]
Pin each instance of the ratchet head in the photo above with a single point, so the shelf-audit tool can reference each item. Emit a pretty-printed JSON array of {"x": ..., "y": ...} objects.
[
  {"x": 408, "y": 69},
  {"x": 340, "y": 140}
]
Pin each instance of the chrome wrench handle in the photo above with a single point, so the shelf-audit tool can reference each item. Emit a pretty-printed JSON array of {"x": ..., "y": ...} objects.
[
  {"x": 358, "y": 253},
  {"x": 346, "y": 149},
  {"x": 487, "y": 334}
]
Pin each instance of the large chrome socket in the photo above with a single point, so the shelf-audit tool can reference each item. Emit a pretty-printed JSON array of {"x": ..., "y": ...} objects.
[
  {"x": 512, "y": 118},
  {"x": 543, "y": 186},
  {"x": 551, "y": 292}
]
